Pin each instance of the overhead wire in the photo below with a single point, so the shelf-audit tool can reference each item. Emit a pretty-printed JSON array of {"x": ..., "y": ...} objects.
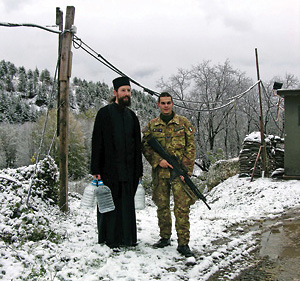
[
  {"x": 104, "y": 61},
  {"x": 78, "y": 43},
  {"x": 9, "y": 24}
]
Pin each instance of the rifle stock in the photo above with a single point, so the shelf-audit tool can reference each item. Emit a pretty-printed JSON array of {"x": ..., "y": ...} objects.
[{"x": 178, "y": 168}]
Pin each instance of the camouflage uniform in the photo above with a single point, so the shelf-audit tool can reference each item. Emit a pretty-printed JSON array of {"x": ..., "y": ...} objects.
[{"x": 177, "y": 137}]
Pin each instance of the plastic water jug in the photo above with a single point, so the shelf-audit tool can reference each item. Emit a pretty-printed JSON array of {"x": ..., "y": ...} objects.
[
  {"x": 139, "y": 198},
  {"x": 104, "y": 197},
  {"x": 88, "y": 199}
]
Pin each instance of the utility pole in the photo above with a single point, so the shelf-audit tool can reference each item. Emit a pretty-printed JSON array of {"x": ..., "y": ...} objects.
[
  {"x": 59, "y": 23},
  {"x": 263, "y": 146},
  {"x": 64, "y": 76}
]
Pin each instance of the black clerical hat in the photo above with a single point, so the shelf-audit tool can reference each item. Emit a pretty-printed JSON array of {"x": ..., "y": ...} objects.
[{"x": 121, "y": 81}]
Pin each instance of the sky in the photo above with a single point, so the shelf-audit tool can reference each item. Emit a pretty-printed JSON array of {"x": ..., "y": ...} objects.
[{"x": 150, "y": 40}]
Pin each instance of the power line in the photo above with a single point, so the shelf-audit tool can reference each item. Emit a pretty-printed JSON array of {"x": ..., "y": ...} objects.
[
  {"x": 78, "y": 43},
  {"x": 8, "y": 24}
]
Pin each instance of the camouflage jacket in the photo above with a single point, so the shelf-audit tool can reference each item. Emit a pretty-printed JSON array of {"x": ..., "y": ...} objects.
[{"x": 177, "y": 138}]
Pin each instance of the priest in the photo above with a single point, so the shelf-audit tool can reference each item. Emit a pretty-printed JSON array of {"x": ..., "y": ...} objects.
[{"x": 117, "y": 160}]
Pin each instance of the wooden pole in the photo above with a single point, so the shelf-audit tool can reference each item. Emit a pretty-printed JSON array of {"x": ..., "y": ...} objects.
[
  {"x": 64, "y": 76},
  {"x": 59, "y": 22},
  {"x": 257, "y": 158},
  {"x": 261, "y": 119}
]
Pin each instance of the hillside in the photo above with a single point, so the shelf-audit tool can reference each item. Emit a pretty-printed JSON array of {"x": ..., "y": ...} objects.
[
  {"x": 28, "y": 101},
  {"x": 25, "y": 94}
]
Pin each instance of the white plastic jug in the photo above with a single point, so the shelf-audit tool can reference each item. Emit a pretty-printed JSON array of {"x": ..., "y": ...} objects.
[
  {"x": 139, "y": 198},
  {"x": 104, "y": 198},
  {"x": 88, "y": 199}
]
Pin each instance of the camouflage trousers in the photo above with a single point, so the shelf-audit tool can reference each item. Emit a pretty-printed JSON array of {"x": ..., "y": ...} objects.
[{"x": 161, "y": 196}]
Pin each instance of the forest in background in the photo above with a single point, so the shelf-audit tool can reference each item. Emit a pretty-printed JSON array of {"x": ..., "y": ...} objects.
[{"x": 28, "y": 98}]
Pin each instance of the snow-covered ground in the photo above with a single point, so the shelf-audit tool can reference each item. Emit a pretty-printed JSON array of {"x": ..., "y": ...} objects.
[{"x": 220, "y": 237}]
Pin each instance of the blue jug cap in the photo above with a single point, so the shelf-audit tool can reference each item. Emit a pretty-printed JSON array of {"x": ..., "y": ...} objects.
[{"x": 94, "y": 182}]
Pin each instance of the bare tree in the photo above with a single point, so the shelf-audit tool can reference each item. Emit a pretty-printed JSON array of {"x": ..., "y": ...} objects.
[
  {"x": 214, "y": 87},
  {"x": 8, "y": 140}
]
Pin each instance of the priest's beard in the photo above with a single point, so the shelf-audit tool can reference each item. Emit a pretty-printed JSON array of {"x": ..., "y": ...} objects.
[{"x": 124, "y": 102}]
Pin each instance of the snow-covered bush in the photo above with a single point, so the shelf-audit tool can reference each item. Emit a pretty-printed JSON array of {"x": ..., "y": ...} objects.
[
  {"x": 45, "y": 182},
  {"x": 20, "y": 221}
]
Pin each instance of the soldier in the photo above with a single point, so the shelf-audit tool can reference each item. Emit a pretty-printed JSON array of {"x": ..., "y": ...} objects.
[{"x": 176, "y": 134}]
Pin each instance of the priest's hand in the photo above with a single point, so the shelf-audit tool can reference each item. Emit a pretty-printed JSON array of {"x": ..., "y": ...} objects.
[{"x": 97, "y": 177}]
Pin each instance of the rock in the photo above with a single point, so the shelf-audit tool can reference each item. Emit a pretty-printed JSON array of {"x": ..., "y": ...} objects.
[{"x": 222, "y": 170}]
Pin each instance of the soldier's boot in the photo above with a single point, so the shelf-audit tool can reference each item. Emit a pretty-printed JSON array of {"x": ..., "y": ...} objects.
[
  {"x": 162, "y": 242},
  {"x": 185, "y": 250}
]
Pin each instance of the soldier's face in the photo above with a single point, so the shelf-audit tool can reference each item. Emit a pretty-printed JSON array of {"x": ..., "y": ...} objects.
[{"x": 165, "y": 105}]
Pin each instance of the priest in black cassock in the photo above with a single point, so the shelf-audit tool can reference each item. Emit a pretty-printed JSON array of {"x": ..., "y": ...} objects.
[{"x": 117, "y": 161}]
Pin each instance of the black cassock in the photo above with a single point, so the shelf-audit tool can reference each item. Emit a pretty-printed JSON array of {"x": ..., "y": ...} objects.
[{"x": 116, "y": 156}]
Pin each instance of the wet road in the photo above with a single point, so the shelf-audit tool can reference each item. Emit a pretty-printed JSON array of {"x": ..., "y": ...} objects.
[{"x": 278, "y": 257}]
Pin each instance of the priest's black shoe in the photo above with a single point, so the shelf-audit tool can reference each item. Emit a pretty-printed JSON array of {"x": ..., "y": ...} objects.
[
  {"x": 185, "y": 250},
  {"x": 162, "y": 242}
]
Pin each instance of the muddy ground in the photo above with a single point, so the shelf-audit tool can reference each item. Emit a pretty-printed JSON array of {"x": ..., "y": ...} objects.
[{"x": 278, "y": 255}]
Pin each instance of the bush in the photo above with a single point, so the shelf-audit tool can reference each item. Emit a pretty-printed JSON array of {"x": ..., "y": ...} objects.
[
  {"x": 45, "y": 183},
  {"x": 20, "y": 222}
]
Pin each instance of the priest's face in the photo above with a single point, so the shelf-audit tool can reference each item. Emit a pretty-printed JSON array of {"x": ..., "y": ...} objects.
[{"x": 123, "y": 96}]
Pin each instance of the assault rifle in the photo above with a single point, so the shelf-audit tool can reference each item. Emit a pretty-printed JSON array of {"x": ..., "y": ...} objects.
[{"x": 178, "y": 168}]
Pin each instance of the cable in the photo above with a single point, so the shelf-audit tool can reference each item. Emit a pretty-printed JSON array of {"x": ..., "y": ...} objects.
[
  {"x": 234, "y": 99},
  {"x": 78, "y": 43},
  {"x": 8, "y": 24},
  {"x": 104, "y": 61}
]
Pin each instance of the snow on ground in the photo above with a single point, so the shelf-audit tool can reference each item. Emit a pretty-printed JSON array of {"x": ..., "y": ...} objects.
[{"x": 218, "y": 237}]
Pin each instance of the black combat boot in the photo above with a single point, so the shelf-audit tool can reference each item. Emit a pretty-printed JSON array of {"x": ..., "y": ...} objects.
[
  {"x": 185, "y": 250},
  {"x": 162, "y": 242}
]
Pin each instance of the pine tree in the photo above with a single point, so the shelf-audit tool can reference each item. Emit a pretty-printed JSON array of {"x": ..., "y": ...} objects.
[{"x": 22, "y": 80}]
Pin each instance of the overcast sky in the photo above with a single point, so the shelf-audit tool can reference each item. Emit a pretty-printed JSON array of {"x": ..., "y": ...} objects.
[{"x": 148, "y": 40}]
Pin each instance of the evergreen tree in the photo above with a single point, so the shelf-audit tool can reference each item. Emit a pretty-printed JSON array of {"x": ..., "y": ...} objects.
[
  {"x": 45, "y": 77},
  {"x": 12, "y": 70},
  {"x": 29, "y": 74},
  {"x": 42, "y": 98},
  {"x": 9, "y": 87},
  {"x": 30, "y": 89},
  {"x": 36, "y": 75},
  {"x": 3, "y": 69},
  {"x": 22, "y": 80}
]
